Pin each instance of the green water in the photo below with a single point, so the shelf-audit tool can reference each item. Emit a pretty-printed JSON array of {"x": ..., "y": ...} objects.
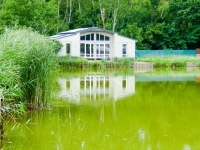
[{"x": 125, "y": 110}]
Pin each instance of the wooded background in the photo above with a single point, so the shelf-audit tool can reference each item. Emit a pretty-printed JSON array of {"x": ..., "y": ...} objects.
[{"x": 156, "y": 24}]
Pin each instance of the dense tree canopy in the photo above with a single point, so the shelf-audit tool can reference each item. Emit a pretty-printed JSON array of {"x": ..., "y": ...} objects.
[{"x": 156, "y": 24}]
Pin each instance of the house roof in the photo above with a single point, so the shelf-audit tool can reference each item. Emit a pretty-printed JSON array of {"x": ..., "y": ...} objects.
[{"x": 81, "y": 30}]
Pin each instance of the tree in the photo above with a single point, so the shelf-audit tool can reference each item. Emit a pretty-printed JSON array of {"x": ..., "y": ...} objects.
[{"x": 39, "y": 15}]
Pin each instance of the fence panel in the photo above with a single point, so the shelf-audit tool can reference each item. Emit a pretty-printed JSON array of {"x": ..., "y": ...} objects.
[{"x": 140, "y": 53}]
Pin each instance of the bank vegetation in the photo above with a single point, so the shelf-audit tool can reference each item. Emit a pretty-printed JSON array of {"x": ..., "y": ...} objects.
[
  {"x": 28, "y": 67},
  {"x": 158, "y": 62}
]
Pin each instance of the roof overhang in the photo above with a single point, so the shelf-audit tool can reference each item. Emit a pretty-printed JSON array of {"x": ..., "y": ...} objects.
[{"x": 83, "y": 30}]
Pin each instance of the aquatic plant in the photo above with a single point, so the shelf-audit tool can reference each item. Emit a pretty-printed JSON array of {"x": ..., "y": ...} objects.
[
  {"x": 32, "y": 61},
  {"x": 159, "y": 61},
  {"x": 9, "y": 80},
  {"x": 72, "y": 62},
  {"x": 79, "y": 62}
]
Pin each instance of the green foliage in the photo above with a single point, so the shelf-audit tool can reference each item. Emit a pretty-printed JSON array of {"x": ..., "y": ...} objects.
[
  {"x": 9, "y": 80},
  {"x": 31, "y": 63},
  {"x": 79, "y": 62},
  {"x": 159, "y": 61},
  {"x": 169, "y": 61},
  {"x": 58, "y": 46},
  {"x": 13, "y": 109},
  {"x": 135, "y": 32},
  {"x": 156, "y": 24},
  {"x": 37, "y": 14},
  {"x": 72, "y": 62}
]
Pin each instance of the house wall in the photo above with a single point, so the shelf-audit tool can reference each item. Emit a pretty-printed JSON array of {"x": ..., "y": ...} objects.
[
  {"x": 115, "y": 42},
  {"x": 74, "y": 45},
  {"x": 118, "y": 41}
]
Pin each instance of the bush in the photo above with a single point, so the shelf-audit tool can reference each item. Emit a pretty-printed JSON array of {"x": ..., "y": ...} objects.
[
  {"x": 169, "y": 61},
  {"x": 33, "y": 58}
]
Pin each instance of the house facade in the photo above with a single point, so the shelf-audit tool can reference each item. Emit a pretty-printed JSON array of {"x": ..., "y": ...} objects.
[{"x": 95, "y": 43}]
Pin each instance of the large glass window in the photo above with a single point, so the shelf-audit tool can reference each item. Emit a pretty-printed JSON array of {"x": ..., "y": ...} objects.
[
  {"x": 97, "y": 37},
  {"x": 107, "y": 38},
  {"x": 107, "y": 50},
  {"x": 102, "y": 50},
  {"x": 88, "y": 37},
  {"x": 86, "y": 50},
  {"x": 92, "y": 36},
  {"x": 100, "y": 37},
  {"x": 82, "y": 49},
  {"x": 97, "y": 40},
  {"x": 124, "y": 50},
  {"x": 68, "y": 48},
  {"x": 82, "y": 38}
]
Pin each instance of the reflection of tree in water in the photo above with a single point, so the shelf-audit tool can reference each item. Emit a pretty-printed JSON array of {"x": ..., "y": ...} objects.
[{"x": 102, "y": 114}]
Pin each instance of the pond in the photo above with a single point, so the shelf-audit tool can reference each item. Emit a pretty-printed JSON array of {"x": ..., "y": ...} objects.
[{"x": 124, "y": 109}]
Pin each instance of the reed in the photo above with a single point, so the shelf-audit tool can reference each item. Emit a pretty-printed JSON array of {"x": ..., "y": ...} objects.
[
  {"x": 9, "y": 80},
  {"x": 33, "y": 58},
  {"x": 159, "y": 61},
  {"x": 79, "y": 62}
]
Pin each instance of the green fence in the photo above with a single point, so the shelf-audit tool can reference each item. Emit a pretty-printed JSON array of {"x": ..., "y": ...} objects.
[{"x": 140, "y": 53}]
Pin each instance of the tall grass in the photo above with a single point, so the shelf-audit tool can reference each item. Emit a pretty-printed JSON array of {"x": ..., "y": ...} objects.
[
  {"x": 170, "y": 60},
  {"x": 159, "y": 61},
  {"x": 9, "y": 80},
  {"x": 79, "y": 62},
  {"x": 33, "y": 60}
]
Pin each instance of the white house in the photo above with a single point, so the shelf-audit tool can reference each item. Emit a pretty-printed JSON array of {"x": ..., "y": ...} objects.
[{"x": 95, "y": 43}]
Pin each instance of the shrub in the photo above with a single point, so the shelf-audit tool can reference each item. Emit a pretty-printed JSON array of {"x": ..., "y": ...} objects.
[{"x": 33, "y": 56}]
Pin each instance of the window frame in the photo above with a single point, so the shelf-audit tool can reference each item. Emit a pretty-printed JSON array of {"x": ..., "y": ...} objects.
[
  {"x": 68, "y": 48},
  {"x": 124, "y": 49}
]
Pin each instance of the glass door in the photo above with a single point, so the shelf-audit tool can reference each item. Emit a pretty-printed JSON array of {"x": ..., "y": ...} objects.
[
  {"x": 102, "y": 50},
  {"x": 87, "y": 50}
]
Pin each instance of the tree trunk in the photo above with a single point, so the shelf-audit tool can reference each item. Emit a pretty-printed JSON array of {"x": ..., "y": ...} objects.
[
  {"x": 70, "y": 11},
  {"x": 79, "y": 5},
  {"x": 66, "y": 12},
  {"x": 102, "y": 11},
  {"x": 114, "y": 19},
  {"x": 3, "y": 1},
  {"x": 58, "y": 15},
  {"x": 115, "y": 15}
]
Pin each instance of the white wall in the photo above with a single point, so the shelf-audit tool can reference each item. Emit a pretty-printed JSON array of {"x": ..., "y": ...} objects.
[
  {"x": 118, "y": 41},
  {"x": 74, "y": 41}
]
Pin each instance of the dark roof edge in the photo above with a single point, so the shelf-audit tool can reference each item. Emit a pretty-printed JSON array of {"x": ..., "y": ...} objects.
[
  {"x": 98, "y": 29},
  {"x": 82, "y": 30}
]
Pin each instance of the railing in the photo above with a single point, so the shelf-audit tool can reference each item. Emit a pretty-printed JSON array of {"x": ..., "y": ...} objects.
[{"x": 139, "y": 53}]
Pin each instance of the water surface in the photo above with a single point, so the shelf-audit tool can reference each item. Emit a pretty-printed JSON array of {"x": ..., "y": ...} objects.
[{"x": 129, "y": 110}]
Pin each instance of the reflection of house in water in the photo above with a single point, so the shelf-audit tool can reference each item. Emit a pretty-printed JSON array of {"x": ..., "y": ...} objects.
[{"x": 96, "y": 87}]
